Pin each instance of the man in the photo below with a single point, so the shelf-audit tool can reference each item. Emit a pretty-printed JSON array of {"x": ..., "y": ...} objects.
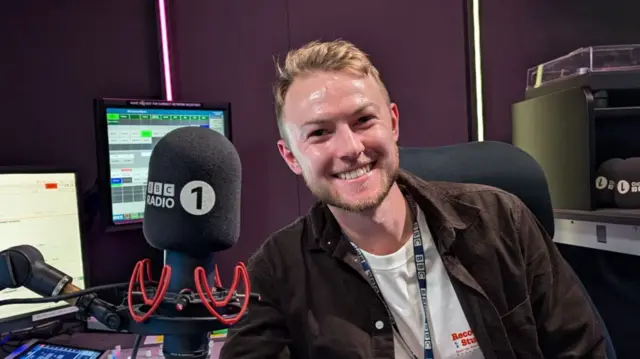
[{"x": 347, "y": 280}]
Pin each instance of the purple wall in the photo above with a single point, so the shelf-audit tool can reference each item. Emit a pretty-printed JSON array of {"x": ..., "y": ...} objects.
[
  {"x": 520, "y": 34},
  {"x": 224, "y": 50},
  {"x": 57, "y": 58}
]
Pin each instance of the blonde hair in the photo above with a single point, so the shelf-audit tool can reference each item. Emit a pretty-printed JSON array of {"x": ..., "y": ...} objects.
[{"x": 329, "y": 56}]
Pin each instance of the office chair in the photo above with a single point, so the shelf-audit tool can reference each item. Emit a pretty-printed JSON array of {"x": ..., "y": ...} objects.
[{"x": 495, "y": 164}]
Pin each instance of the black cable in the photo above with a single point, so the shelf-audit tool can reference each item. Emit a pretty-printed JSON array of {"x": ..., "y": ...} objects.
[
  {"x": 136, "y": 345},
  {"x": 58, "y": 298}
]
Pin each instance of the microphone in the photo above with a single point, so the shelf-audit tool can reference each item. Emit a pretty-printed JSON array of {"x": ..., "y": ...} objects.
[
  {"x": 24, "y": 266},
  {"x": 192, "y": 211}
]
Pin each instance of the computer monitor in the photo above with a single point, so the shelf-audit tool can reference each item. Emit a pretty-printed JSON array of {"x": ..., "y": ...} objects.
[
  {"x": 127, "y": 131},
  {"x": 40, "y": 207}
]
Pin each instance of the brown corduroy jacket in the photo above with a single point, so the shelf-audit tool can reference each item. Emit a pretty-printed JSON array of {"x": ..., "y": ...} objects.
[{"x": 519, "y": 295}]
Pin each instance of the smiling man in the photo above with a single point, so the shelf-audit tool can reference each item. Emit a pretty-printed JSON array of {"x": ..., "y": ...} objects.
[{"x": 386, "y": 265}]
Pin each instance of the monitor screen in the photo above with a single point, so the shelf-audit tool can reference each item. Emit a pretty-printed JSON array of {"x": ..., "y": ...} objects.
[
  {"x": 41, "y": 209},
  {"x": 127, "y": 133},
  {"x": 42, "y": 350}
]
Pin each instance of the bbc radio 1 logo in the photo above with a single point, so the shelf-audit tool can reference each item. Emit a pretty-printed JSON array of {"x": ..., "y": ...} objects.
[
  {"x": 196, "y": 197},
  {"x": 161, "y": 194}
]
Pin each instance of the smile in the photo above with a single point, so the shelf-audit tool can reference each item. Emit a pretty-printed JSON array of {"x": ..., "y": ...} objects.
[{"x": 356, "y": 173}]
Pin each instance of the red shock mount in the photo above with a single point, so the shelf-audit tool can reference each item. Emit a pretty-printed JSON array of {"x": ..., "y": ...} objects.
[{"x": 202, "y": 287}]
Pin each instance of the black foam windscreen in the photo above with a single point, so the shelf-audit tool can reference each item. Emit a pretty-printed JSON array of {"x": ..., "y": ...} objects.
[
  {"x": 606, "y": 183},
  {"x": 15, "y": 268},
  {"x": 627, "y": 176},
  {"x": 193, "y": 192}
]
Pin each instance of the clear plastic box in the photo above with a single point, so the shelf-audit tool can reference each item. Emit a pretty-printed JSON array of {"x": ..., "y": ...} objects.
[{"x": 585, "y": 60}]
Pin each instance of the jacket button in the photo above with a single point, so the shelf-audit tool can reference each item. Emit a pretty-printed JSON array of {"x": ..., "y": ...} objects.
[{"x": 379, "y": 324}]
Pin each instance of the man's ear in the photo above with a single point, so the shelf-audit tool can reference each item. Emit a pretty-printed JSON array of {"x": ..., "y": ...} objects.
[
  {"x": 395, "y": 121},
  {"x": 288, "y": 157}
]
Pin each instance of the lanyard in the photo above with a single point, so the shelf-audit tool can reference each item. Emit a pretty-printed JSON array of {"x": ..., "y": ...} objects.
[{"x": 419, "y": 258}]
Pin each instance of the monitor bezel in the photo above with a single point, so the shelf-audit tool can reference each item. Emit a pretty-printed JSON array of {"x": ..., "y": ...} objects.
[
  {"x": 102, "y": 145},
  {"x": 25, "y": 320}
]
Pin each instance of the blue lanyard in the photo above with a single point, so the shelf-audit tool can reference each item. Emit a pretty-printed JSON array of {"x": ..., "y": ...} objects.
[{"x": 419, "y": 258}]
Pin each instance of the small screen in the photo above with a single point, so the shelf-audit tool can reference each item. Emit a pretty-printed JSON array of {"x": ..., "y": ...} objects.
[
  {"x": 51, "y": 351},
  {"x": 41, "y": 210},
  {"x": 132, "y": 135}
]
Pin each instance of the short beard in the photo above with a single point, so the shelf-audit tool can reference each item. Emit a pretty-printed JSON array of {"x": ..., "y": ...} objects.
[{"x": 359, "y": 207}]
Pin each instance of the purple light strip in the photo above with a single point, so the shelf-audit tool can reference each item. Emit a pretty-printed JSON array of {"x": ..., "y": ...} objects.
[{"x": 164, "y": 39}]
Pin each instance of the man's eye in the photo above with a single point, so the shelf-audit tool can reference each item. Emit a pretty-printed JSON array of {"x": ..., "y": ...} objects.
[
  {"x": 317, "y": 133},
  {"x": 364, "y": 119}
]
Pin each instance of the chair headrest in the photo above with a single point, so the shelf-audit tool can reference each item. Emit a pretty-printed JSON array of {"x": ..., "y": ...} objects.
[{"x": 489, "y": 163}]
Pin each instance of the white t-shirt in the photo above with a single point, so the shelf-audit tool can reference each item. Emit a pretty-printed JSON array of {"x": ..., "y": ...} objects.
[{"x": 451, "y": 335}]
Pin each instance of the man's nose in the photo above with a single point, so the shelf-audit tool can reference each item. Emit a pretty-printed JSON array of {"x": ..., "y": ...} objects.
[{"x": 348, "y": 144}]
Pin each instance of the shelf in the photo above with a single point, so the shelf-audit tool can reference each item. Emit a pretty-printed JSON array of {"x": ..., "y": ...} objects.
[
  {"x": 608, "y": 237},
  {"x": 616, "y": 112},
  {"x": 628, "y": 217}
]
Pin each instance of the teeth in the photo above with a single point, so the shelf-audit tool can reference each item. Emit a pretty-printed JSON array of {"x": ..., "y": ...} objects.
[{"x": 355, "y": 173}]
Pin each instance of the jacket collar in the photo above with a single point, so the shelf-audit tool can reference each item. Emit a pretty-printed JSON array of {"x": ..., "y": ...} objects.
[{"x": 445, "y": 215}]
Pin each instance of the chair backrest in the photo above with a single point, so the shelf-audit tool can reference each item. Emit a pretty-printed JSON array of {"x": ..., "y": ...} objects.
[
  {"x": 490, "y": 163},
  {"x": 496, "y": 164}
]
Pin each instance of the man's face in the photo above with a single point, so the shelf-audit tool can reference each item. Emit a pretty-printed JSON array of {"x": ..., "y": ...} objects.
[{"x": 343, "y": 137}]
